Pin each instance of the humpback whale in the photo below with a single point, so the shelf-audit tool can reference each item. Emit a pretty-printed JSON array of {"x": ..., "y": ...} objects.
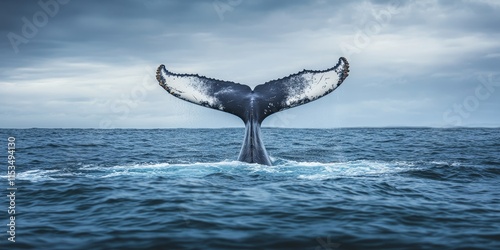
[{"x": 253, "y": 106}]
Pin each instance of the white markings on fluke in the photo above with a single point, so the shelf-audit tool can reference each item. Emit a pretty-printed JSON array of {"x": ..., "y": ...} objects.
[
  {"x": 190, "y": 88},
  {"x": 314, "y": 86}
]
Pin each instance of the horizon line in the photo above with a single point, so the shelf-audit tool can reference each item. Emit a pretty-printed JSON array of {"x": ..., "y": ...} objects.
[{"x": 242, "y": 127}]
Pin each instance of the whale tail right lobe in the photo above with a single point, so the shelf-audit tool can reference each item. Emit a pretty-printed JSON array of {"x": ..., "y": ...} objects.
[{"x": 253, "y": 106}]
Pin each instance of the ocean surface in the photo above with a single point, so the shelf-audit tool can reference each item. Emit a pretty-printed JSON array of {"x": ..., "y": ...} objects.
[{"x": 359, "y": 188}]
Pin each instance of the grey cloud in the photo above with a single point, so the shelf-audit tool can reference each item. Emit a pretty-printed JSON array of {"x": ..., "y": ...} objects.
[{"x": 427, "y": 50}]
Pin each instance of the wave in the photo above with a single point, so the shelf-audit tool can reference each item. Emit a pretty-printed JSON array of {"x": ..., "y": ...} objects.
[
  {"x": 289, "y": 169},
  {"x": 52, "y": 145},
  {"x": 282, "y": 168}
]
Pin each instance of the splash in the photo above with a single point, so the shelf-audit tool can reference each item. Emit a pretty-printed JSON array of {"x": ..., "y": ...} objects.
[{"x": 284, "y": 169}]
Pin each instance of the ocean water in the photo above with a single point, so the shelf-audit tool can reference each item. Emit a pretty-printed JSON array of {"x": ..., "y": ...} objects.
[{"x": 360, "y": 188}]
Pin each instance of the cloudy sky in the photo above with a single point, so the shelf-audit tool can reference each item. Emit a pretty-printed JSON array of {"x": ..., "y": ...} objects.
[{"x": 91, "y": 64}]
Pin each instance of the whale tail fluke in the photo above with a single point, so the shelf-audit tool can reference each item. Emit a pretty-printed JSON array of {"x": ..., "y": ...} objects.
[
  {"x": 264, "y": 100},
  {"x": 253, "y": 106}
]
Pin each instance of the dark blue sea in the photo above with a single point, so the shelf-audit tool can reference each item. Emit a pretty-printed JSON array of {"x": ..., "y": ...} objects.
[{"x": 356, "y": 188}]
